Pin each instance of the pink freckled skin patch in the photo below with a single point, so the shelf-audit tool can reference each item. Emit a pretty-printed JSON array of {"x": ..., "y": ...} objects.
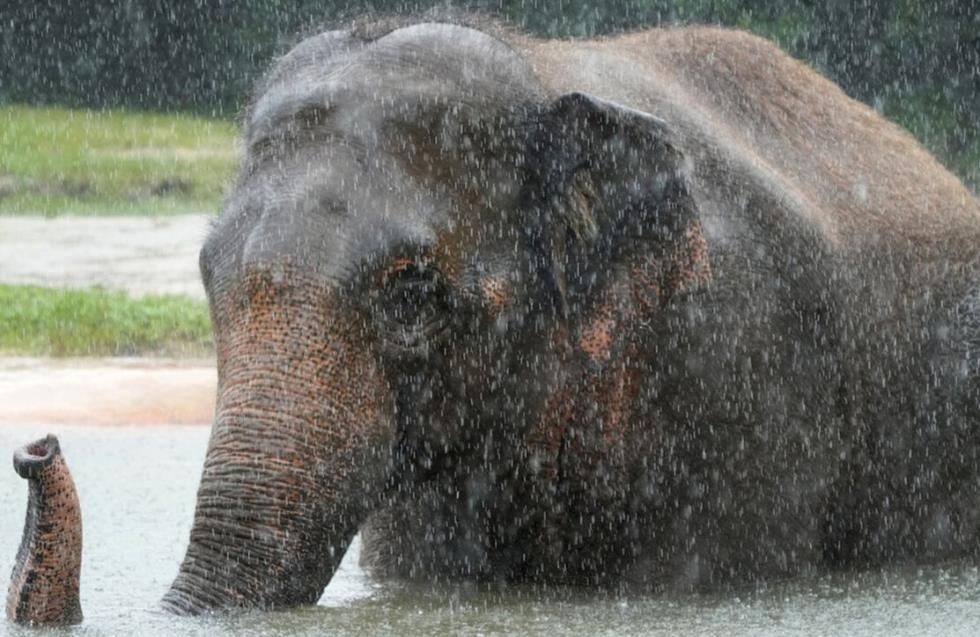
[
  {"x": 596, "y": 340},
  {"x": 495, "y": 296}
]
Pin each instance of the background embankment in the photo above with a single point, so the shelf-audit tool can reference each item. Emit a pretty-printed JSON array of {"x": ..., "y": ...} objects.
[{"x": 915, "y": 61}]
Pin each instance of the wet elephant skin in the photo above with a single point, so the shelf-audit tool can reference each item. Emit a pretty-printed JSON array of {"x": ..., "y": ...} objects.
[
  {"x": 665, "y": 310},
  {"x": 44, "y": 583}
]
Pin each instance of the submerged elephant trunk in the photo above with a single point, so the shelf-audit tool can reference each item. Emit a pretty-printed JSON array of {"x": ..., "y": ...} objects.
[
  {"x": 44, "y": 583},
  {"x": 289, "y": 474}
]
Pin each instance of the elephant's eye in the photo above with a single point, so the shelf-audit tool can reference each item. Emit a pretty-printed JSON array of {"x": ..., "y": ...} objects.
[{"x": 414, "y": 296}]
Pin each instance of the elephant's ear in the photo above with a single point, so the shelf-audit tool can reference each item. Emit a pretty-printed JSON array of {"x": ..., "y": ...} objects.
[{"x": 607, "y": 182}]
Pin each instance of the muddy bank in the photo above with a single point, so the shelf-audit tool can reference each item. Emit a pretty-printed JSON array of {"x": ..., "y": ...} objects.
[
  {"x": 106, "y": 391},
  {"x": 139, "y": 255}
]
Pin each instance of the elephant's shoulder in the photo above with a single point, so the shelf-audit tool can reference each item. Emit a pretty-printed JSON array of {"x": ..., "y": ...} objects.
[{"x": 746, "y": 107}]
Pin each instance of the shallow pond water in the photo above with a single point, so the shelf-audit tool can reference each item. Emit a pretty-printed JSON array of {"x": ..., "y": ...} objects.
[{"x": 137, "y": 487}]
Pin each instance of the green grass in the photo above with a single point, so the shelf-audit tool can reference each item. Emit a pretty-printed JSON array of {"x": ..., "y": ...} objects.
[
  {"x": 74, "y": 161},
  {"x": 37, "y": 321}
]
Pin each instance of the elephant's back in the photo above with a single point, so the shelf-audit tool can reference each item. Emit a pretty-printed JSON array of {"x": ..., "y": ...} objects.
[{"x": 753, "y": 118}]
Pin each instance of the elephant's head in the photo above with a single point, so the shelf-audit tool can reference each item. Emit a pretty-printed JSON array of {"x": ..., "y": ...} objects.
[{"x": 418, "y": 232}]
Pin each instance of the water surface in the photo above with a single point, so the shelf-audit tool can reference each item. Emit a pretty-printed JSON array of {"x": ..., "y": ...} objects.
[{"x": 137, "y": 487}]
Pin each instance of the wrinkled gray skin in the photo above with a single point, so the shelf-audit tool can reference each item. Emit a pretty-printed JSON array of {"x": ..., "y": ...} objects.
[{"x": 664, "y": 310}]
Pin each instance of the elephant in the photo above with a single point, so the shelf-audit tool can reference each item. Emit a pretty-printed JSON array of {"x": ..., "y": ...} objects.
[
  {"x": 664, "y": 310},
  {"x": 45, "y": 580}
]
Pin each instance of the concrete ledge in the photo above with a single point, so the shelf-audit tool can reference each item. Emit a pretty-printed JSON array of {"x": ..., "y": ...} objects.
[{"x": 106, "y": 391}]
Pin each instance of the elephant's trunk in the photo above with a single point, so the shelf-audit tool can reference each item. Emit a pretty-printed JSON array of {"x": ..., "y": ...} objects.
[
  {"x": 294, "y": 463},
  {"x": 44, "y": 583}
]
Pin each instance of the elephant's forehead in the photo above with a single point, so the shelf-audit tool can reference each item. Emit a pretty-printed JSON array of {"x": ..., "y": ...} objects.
[
  {"x": 376, "y": 149},
  {"x": 330, "y": 212},
  {"x": 327, "y": 213},
  {"x": 396, "y": 77}
]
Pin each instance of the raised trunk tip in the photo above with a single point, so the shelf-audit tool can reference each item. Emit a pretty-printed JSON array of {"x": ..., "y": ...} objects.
[
  {"x": 45, "y": 580},
  {"x": 32, "y": 458}
]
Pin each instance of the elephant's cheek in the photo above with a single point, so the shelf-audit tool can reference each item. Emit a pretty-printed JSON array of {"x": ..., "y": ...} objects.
[{"x": 297, "y": 456}]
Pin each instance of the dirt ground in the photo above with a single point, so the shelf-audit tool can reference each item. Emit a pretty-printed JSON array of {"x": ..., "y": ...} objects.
[{"x": 137, "y": 255}]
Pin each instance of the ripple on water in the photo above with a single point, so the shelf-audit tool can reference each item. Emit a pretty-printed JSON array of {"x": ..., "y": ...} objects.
[{"x": 137, "y": 488}]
